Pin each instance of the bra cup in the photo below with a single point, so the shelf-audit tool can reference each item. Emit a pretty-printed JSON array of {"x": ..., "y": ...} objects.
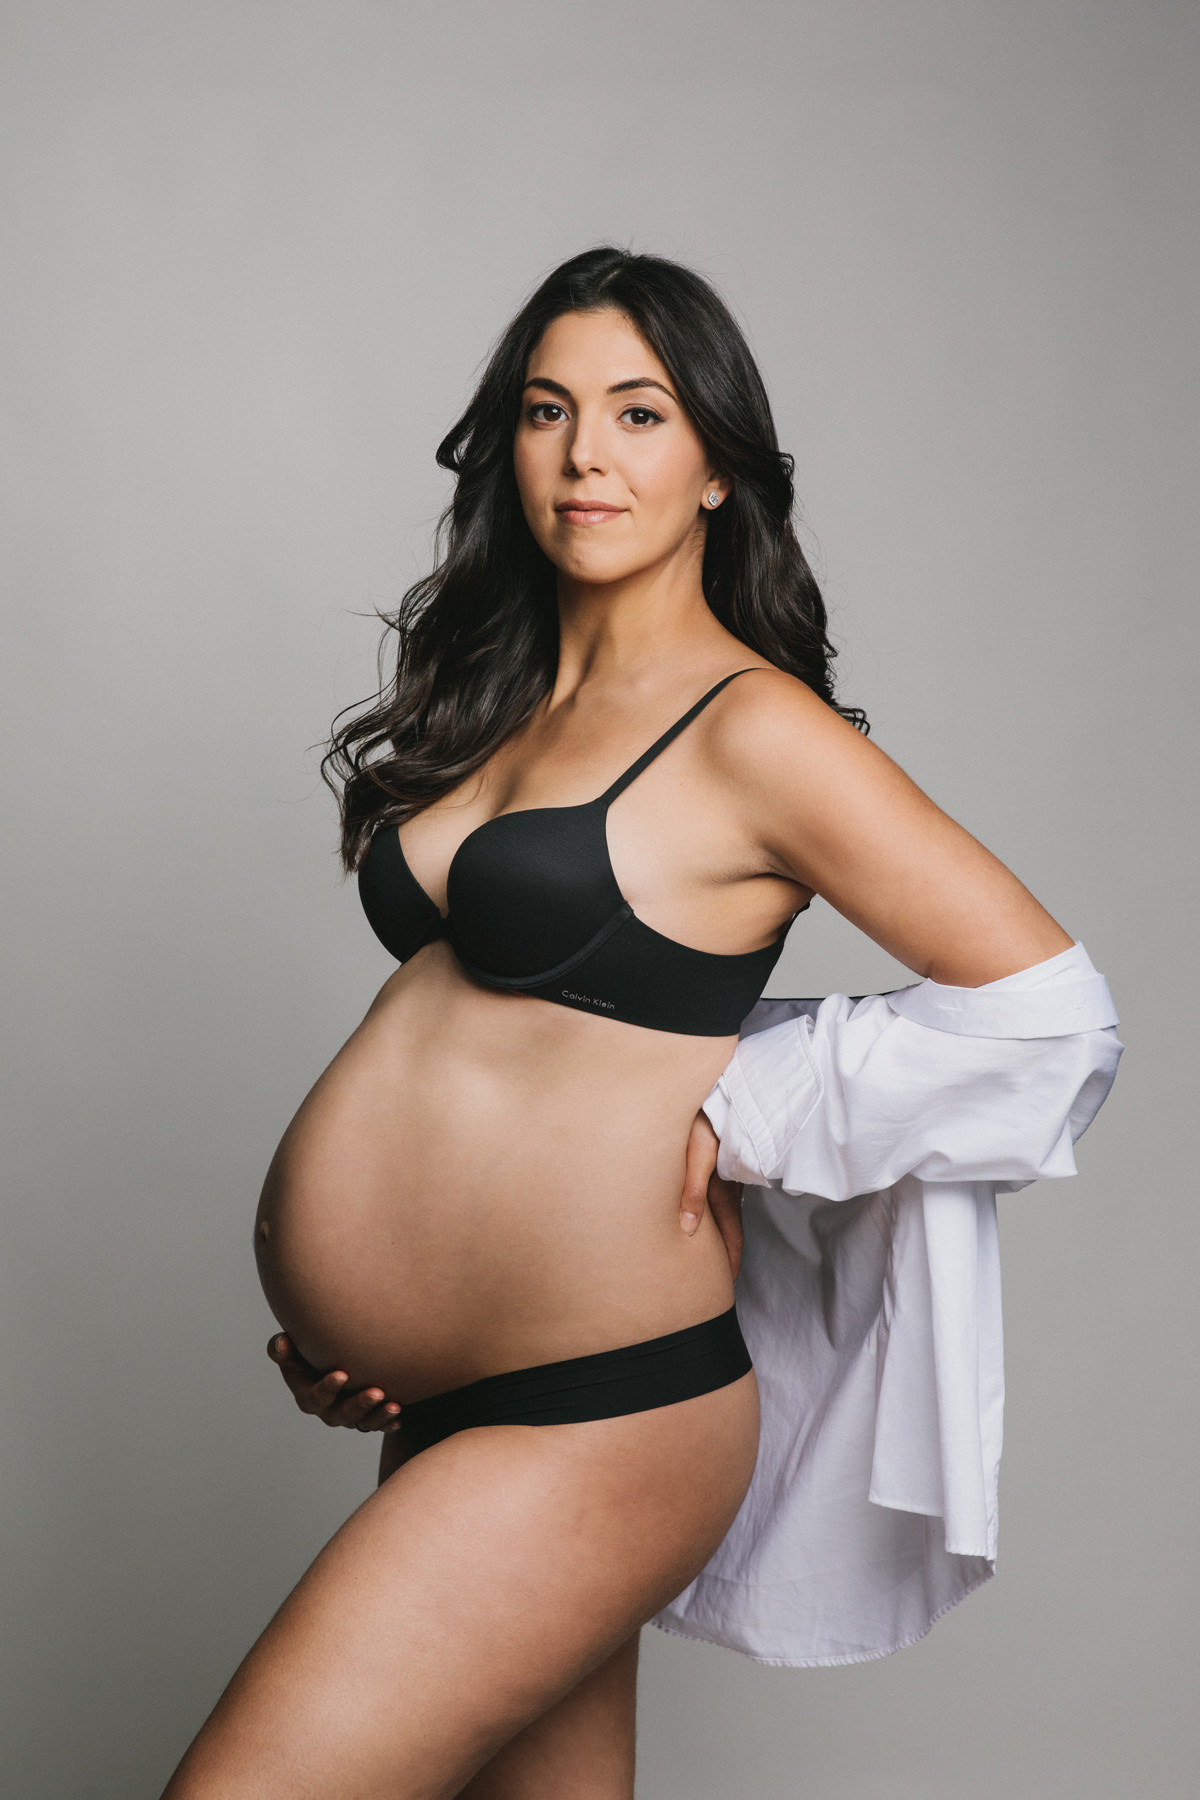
[
  {"x": 398, "y": 909},
  {"x": 528, "y": 889},
  {"x": 534, "y": 907}
]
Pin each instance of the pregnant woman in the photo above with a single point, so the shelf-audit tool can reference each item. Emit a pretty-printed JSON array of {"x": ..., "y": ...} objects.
[{"x": 608, "y": 774}]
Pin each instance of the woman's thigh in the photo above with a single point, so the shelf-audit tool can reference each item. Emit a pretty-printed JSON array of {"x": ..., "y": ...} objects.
[
  {"x": 581, "y": 1749},
  {"x": 472, "y": 1592}
]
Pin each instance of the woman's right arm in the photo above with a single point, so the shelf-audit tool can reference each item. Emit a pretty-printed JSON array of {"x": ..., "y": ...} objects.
[{"x": 327, "y": 1397}]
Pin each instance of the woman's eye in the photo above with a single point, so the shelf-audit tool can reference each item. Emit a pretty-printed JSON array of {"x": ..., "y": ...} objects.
[
  {"x": 539, "y": 412},
  {"x": 641, "y": 415}
]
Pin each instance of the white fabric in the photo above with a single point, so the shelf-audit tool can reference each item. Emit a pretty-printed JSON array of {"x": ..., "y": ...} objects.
[{"x": 873, "y": 1136}]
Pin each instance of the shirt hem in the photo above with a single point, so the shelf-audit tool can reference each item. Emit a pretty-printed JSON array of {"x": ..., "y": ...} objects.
[{"x": 699, "y": 1636}]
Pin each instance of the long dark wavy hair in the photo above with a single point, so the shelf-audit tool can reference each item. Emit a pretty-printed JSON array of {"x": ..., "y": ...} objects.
[{"x": 476, "y": 641}]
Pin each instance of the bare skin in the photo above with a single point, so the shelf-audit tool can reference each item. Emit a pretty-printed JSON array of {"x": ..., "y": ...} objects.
[
  {"x": 330, "y": 1396},
  {"x": 481, "y": 1181}
]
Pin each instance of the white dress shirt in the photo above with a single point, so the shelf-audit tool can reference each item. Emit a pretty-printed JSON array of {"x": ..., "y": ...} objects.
[{"x": 873, "y": 1136}]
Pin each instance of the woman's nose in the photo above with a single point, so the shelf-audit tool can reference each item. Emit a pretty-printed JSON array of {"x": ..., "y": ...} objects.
[{"x": 585, "y": 449}]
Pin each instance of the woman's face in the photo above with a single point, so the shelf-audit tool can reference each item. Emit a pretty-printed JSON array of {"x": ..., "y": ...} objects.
[{"x": 612, "y": 474}]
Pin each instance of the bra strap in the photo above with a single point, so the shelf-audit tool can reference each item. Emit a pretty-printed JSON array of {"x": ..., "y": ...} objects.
[{"x": 668, "y": 737}]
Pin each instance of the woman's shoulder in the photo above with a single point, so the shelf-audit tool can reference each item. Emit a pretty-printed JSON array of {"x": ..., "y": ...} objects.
[
  {"x": 790, "y": 760},
  {"x": 768, "y": 714}
]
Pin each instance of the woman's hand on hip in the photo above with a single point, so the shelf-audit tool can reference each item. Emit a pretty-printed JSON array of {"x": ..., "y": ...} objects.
[
  {"x": 702, "y": 1187},
  {"x": 327, "y": 1396}
]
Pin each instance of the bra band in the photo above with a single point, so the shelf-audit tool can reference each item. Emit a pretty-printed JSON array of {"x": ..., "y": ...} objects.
[{"x": 607, "y": 1385}]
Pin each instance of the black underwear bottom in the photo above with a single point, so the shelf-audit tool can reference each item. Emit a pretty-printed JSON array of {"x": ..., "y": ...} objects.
[{"x": 635, "y": 1378}]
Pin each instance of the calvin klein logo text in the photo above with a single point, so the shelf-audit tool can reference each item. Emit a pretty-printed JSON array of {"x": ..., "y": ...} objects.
[{"x": 590, "y": 1000}]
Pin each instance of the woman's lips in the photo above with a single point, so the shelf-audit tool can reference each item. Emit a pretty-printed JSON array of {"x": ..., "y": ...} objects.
[{"x": 587, "y": 512}]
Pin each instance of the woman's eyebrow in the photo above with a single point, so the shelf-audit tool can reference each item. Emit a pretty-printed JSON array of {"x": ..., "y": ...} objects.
[
  {"x": 640, "y": 381},
  {"x": 618, "y": 387}
]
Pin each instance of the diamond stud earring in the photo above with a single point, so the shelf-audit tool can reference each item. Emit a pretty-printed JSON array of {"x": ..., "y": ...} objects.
[{"x": 714, "y": 499}]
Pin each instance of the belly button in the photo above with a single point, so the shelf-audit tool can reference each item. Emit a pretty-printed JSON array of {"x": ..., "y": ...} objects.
[{"x": 264, "y": 1230}]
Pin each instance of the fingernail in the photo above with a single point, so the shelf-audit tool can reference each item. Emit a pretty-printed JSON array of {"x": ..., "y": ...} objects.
[
  {"x": 339, "y": 1378},
  {"x": 391, "y": 1407},
  {"x": 374, "y": 1396},
  {"x": 690, "y": 1220}
]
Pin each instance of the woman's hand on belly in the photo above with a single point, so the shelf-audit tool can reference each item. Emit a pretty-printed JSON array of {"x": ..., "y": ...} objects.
[
  {"x": 326, "y": 1396},
  {"x": 703, "y": 1186}
]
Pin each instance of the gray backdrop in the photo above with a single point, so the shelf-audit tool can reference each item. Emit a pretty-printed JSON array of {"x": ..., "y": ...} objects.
[{"x": 256, "y": 249}]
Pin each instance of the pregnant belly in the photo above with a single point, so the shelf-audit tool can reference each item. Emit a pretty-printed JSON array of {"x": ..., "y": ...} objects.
[{"x": 439, "y": 1210}]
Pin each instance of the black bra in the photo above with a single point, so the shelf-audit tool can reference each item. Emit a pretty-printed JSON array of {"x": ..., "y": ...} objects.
[{"x": 534, "y": 908}]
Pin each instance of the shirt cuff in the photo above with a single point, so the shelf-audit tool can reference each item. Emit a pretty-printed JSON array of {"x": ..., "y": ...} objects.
[{"x": 717, "y": 1108}]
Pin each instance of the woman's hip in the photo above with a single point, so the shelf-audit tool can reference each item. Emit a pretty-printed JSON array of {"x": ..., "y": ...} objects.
[{"x": 632, "y": 1378}]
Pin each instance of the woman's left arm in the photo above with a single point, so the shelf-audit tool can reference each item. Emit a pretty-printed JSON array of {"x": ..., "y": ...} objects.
[
  {"x": 831, "y": 812},
  {"x": 834, "y": 814}
]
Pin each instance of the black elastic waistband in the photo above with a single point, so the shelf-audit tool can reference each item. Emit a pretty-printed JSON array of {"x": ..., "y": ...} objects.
[{"x": 606, "y": 1385}]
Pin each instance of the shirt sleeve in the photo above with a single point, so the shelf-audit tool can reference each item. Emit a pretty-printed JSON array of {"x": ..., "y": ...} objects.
[
  {"x": 873, "y": 1136},
  {"x": 847, "y": 1097}
]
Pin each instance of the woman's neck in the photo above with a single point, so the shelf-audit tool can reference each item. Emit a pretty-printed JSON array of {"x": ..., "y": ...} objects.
[{"x": 644, "y": 631}]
